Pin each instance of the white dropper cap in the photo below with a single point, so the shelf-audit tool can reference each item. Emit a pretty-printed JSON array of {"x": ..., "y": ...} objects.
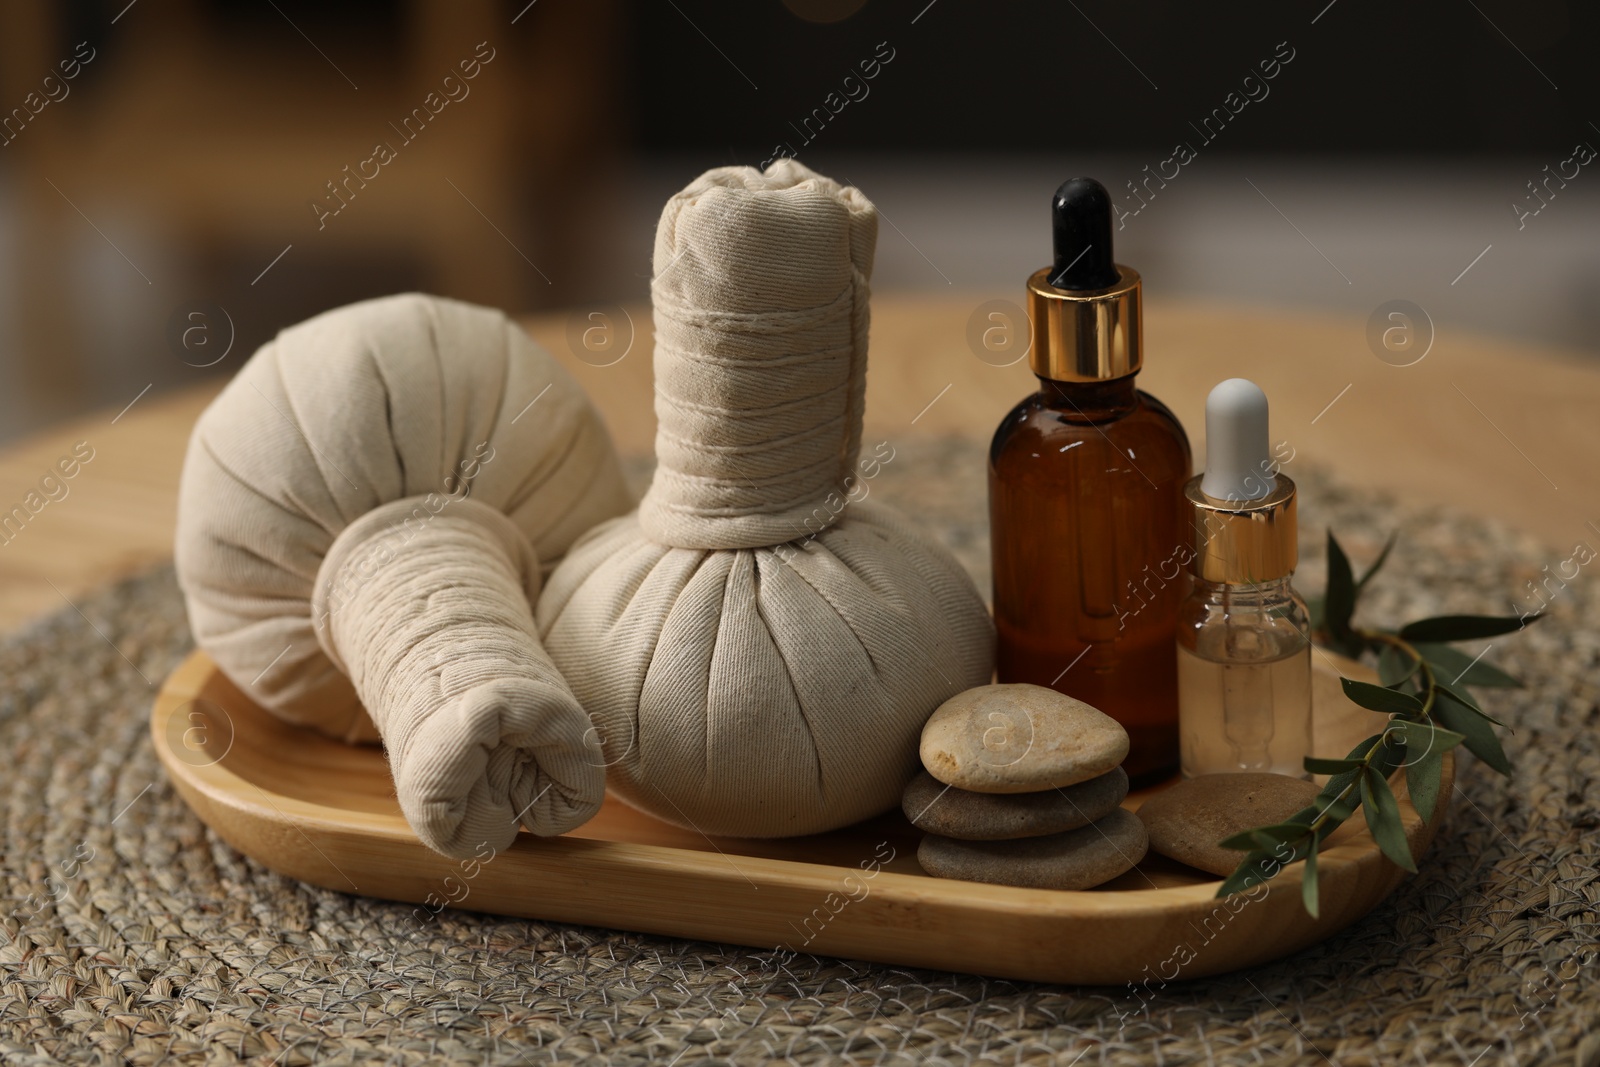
[{"x": 1238, "y": 456}]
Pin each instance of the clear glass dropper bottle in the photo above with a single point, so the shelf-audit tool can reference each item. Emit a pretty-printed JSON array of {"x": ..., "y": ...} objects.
[{"x": 1244, "y": 647}]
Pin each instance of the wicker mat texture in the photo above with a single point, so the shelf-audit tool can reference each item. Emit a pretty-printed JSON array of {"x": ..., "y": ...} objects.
[{"x": 129, "y": 934}]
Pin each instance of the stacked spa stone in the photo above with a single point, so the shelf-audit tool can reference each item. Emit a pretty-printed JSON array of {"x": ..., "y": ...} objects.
[{"x": 1023, "y": 786}]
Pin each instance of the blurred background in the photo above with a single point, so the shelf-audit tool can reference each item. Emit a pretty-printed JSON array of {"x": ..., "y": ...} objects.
[{"x": 253, "y": 162}]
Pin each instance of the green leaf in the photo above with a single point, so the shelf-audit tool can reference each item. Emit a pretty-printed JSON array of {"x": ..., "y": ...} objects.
[
  {"x": 1336, "y": 786},
  {"x": 1378, "y": 563},
  {"x": 1339, "y": 601},
  {"x": 1391, "y": 754},
  {"x": 1394, "y": 666},
  {"x": 1335, "y": 809},
  {"x": 1423, "y": 780},
  {"x": 1458, "y": 668},
  {"x": 1461, "y": 696},
  {"x": 1422, "y": 738},
  {"x": 1474, "y": 726},
  {"x": 1263, "y": 864},
  {"x": 1317, "y": 765},
  {"x": 1463, "y": 627},
  {"x": 1383, "y": 819},
  {"x": 1265, "y": 837},
  {"x": 1254, "y": 869},
  {"x": 1361, "y": 750},
  {"x": 1378, "y": 698},
  {"x": 1282, "y": 833},
  {"x": 1314, "y": 609},
  {"x": 1306, "y": 815},
  {"x": 1308, "y": 884},
  {"x": 1243, "y": 841}
]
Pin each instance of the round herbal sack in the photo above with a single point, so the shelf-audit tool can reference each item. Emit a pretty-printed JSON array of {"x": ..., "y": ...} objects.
[
  {"x": 366, "y": 513},
  {"x": 758, "y": 645}
]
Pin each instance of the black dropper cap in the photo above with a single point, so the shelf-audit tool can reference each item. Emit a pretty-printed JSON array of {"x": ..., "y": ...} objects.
[{"x": 1081, "y": 223}]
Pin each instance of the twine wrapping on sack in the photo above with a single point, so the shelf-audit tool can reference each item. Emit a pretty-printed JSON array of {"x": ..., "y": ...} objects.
[
  {"x": 761, "y": 313},
  {"x": 365, "y": 516},
  {"x": 757, "y": 646}
]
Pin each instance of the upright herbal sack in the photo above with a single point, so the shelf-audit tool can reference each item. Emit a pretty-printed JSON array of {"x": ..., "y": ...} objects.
[
  {"x": 758, "y": 645},
  {"x": 365, "y": 516}
]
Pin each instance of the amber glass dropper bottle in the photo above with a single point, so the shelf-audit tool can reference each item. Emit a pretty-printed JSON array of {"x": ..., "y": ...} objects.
[{"x": 1086, "y": 515}]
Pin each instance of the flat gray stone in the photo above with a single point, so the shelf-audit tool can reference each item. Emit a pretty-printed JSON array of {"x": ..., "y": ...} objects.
[
  {"x": 1186, "y": 822},
  {"x": 943, "y": 809},
  {"x": 1019, "y": 739},
  {"x": 1076, "y": 859}
]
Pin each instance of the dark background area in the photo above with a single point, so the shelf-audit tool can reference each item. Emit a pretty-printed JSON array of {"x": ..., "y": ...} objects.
[
  {"x": 1429, "y": 77},
  {"x": 182, "y": 168},
  {"x": 1432, "y": 77}
]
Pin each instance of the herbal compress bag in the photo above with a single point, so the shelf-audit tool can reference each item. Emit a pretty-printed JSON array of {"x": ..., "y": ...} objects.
[
  {"x": 757, "y": 645},
  {"x": 365, "y": 516}
]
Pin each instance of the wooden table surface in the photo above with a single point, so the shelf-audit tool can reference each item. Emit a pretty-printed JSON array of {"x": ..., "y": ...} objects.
[{"x": 1498, "y": 428}]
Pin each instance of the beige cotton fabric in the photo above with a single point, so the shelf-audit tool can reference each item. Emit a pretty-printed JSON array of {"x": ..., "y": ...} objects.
[
  {"x": 365, "y": 514},
  {"x": 758, "y": 646}
]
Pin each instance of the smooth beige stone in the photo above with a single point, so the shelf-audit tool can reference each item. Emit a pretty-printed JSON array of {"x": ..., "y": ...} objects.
[
  {"x": 943, "y": 809},
  {"x": 1019, "y": 739},
  {"x": 1076, "y": 859},
  {"x": 1186, "y": 822}
]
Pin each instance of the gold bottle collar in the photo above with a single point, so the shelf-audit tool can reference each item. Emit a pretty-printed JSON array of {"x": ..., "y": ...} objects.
[
  {"x": 1244, "y": 542},
  {"x": 1090, "y": 335}
]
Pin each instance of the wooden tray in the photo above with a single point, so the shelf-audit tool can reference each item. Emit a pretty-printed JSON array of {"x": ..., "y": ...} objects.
[{"x": 325, "y": 813}]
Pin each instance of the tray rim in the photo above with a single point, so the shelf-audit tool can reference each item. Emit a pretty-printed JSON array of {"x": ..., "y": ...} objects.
[{"x": 222, "y": 799}]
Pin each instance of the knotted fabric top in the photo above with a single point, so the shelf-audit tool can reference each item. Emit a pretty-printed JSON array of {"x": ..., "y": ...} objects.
[{"x": 761, "y": 320}]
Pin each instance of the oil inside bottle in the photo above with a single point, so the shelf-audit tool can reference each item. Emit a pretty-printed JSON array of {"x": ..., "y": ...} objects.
[
  {"x": 1246, "y": 714},
  {"x": 1089, "y": 549}
]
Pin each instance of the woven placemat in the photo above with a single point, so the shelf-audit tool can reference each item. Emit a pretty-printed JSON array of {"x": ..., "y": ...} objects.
[{"x": 129, "y": 934}]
